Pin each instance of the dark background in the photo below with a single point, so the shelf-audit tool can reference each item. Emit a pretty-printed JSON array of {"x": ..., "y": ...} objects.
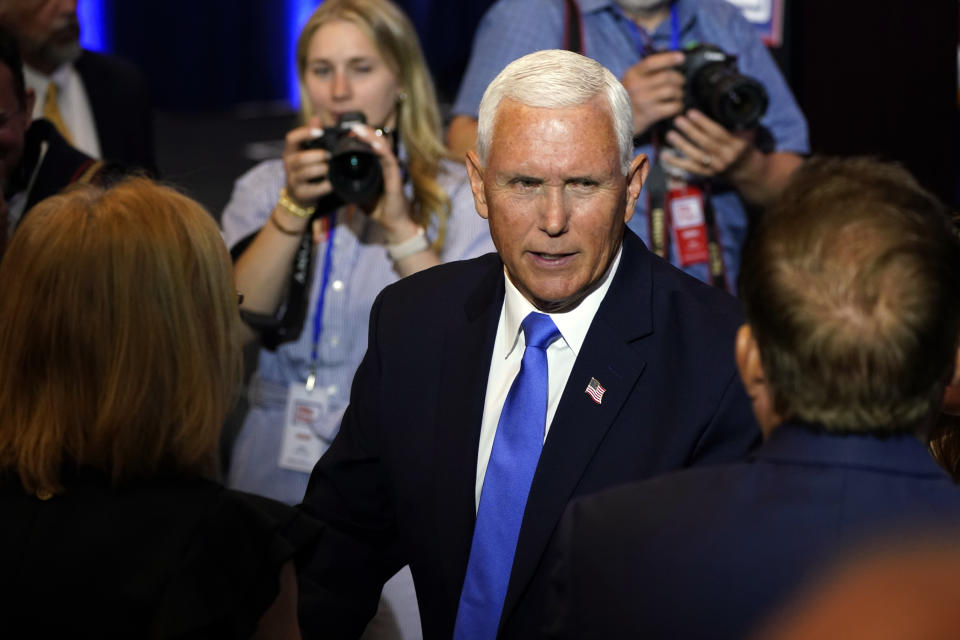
[{"x": 872, "y": 77}]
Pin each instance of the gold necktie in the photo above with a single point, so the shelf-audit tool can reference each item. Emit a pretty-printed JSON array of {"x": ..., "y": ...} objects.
[{"x": 51, "y": 111}]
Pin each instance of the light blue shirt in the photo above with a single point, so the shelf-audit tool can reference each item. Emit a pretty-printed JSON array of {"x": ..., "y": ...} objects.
[
  {"x": 360, "y": 270},
  {"x": 513, "y": 28}
]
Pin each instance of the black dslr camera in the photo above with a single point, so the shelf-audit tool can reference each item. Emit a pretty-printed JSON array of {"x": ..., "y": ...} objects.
[
  {"x": 355, "y": 173},
  {"x": 715, "y": 87}
]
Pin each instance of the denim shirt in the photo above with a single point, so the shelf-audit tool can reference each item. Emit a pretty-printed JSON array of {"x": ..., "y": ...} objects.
[{"x": 513, "y": 28}]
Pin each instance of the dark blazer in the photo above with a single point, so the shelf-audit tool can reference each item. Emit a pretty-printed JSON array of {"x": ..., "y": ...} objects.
[
  {"x": 709, "y": 553},
  {"x": 398, "y": 483},
  {"x": 121, "y": 109},
  {"x": 60, "y": 166},
  {"x": 170, "y": 556}
]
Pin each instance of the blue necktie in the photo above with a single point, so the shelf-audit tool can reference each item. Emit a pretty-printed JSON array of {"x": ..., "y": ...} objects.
[{"x": 513, "y": 461}]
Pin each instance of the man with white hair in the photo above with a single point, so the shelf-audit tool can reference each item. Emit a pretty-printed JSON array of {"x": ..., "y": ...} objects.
[
  {"x": 714, "y": 171},
  {"x": 495, "y": 390}
]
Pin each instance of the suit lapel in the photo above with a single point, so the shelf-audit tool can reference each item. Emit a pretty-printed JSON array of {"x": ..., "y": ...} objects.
[
  {"x": 92, "y": 83},
  {"x": 467, "y": 348},
  {"x": 580, "y": 423}
]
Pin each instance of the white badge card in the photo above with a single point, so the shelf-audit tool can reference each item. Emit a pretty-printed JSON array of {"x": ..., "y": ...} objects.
[{"x": 301, "y": 446}]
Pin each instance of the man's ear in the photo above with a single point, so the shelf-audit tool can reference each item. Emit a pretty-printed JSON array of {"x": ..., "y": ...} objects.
[
  {"x": 754, "y": 379},
  {"x": 636, "y": 177},
  {"x": 475, "y": 173},
  {"x": 748, "y": 359}
]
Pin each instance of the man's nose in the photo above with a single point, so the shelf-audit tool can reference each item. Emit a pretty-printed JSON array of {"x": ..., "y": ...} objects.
[{"x": 554, "y": 218}]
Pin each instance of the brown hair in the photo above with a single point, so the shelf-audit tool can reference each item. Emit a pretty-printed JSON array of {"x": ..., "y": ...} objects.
[
  {"x": 851, "y": 284},
  {"x": 119, "y": 349},
  {"x": 418, "y": 115}
]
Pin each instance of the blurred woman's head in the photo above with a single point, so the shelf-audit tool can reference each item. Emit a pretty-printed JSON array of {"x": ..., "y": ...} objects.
[
  {"x": 119, "y": 349},
  {"x": 364, "y": 55},
  {"x": 345, "y": 72}
]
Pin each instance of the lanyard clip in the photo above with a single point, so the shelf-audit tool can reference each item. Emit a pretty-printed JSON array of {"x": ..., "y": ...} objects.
[{"x": 311, "y": 380}]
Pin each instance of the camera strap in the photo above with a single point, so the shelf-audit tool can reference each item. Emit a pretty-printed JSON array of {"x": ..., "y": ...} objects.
[
  {"x": 718, "y": 271},
  {"x": 330, "y": 226},
  {"x": 656, "y": 188},
  {"x": 275, "y": 330},
  {"x": 681, "y": 214},
  {"x": 572, "y": 27},
  {"x": 643, "y": 41}
]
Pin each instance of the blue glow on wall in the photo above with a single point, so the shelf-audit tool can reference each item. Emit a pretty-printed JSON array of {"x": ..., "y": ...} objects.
[
  {"x": 297, "y": 13},
  {"x": 94, "y": 25}
]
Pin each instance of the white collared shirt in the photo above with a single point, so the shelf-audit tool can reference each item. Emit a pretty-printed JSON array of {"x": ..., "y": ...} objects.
[
  {"x": 73, "y": 103},
  {"x": 508, "y": 354}
]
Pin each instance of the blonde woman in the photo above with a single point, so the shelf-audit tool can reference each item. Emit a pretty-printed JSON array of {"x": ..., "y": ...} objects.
[
  {"x": 119, "y": 358},
  {"x": 309, "y": 269}
]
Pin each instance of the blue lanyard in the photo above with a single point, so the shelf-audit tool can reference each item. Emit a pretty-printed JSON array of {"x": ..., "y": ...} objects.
[
  {"x": 643, "y": 42},
  {"x": 318, "y": 316}
]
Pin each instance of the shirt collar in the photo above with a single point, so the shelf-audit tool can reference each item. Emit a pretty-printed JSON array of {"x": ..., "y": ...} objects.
[
  {"x": 686, "y": 12},
  {"x": 800, "y": 443},
  {"x": 39, "y": 80},
  {"x": 573, "y": 324}
]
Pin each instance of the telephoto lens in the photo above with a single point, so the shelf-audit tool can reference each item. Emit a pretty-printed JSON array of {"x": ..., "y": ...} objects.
[{"x": 715, "y": 87}]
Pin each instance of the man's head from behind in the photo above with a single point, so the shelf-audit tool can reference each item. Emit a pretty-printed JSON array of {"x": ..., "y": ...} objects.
[
  {"x": 555, "y": 175},
  {"x": 851, "y": 288},
  {"x": 48, "y": 31}
]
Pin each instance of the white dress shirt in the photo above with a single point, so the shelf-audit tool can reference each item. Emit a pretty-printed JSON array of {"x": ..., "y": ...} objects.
[
  {"x": 73, "y": 103},
  {"x": 508, "y": 354}
]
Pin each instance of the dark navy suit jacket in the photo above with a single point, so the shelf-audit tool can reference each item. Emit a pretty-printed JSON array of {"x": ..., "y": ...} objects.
[
  {"x": 398, "y": 483},
  {"x": 121, "y": 109},
  {"x": 708, "y": 553}
]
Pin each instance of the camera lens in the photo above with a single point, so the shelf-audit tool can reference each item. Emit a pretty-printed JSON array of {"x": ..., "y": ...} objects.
[
  {"x": 715, "y": 86},
  {"x": 355, "y": 165},
  {"x": 739, "y": 102},
  {"x": 355, "y": 174}
]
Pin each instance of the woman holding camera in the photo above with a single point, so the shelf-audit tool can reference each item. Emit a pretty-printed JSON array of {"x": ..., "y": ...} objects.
[
  {"x": 311, "y": 268},
  {"x": 119, "y": 359}
]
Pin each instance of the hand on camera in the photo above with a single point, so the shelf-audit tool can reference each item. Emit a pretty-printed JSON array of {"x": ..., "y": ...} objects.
[
  {"x": 656, "y": 89},
  {"x": 703, "y": 147},
  {"x": 306, "y": 170},
  {"x": 392, "y": 210}
]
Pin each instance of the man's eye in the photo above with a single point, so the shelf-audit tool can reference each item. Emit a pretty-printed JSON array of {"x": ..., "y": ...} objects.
[
  {"x": 525, "y": 183},
  {"x": 320, "y": 71},
  {"x": 584, "y": 183}
]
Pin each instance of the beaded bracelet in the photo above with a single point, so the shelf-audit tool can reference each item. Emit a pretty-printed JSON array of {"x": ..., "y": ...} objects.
[{"x": 292, "y": 207}]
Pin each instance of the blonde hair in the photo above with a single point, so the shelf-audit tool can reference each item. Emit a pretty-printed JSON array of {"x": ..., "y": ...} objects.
[
  {"x": 418, "y": 114},
  {"x": 119, "y": 350}
]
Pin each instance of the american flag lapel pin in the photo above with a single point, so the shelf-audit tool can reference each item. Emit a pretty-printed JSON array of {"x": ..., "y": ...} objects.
[{"x": 595, "y": 390}]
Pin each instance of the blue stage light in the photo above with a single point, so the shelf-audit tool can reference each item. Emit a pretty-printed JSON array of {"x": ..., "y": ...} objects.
[
  {"x": 94, "y": 25},
  {"x": 298, "y": 11}
]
